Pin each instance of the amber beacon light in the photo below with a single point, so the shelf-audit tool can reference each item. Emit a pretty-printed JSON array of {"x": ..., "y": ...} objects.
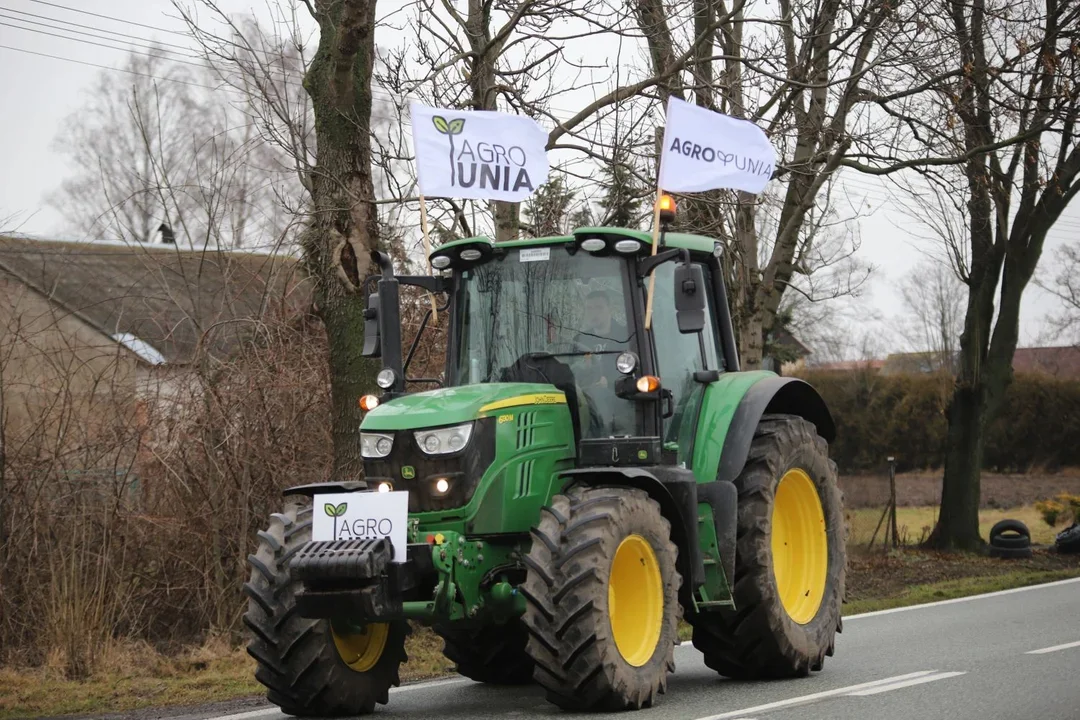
[{"x": 667, "y": 208}]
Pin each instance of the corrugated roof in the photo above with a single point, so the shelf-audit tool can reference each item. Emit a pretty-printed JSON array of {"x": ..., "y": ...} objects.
[{"x": 157, "y": 300}]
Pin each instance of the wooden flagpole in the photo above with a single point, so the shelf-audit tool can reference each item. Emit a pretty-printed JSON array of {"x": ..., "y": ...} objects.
[
  {"x": 655, "y": 241},
  {"x": 427, "y": 254}
]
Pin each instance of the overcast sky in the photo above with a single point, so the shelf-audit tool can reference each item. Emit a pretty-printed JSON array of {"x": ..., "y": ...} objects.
[{"x": 38, "y": 92}]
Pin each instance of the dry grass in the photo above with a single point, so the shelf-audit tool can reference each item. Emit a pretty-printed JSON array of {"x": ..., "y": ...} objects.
[
  {"x": 915, "y": 523},
  {"x": 134, "y": 675}
]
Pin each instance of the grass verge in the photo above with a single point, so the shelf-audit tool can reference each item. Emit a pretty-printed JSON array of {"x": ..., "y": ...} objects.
[{"x": 135, "y": 676}]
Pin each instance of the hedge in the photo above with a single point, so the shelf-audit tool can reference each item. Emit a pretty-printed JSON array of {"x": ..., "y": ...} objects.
[{"x": 906, "y": 416}]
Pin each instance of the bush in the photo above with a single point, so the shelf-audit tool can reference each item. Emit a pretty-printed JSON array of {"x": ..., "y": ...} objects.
[{"x": 906, "y": 416}]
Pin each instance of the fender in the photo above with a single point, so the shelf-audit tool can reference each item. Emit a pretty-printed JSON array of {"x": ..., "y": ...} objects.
[
  {"x": 675, "y": 490},
  {"x": 772, "y": 394}
]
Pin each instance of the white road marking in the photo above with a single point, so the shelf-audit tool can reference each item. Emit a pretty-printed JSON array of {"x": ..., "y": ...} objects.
[
  {"x": 907, "y": 683},
  {"x": 1055, "y": 648},
  {"x": 803, "y": 699},
  {"x": 265, "y": 712},
  {"x": 969, "y": 598},
  {"x": 253, "y": 714}
]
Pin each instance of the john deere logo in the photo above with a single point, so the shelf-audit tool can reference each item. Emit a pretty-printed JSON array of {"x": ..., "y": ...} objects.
[{"x": 408, "y": 472}]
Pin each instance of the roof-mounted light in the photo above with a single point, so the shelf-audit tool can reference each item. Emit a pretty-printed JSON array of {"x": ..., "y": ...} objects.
[
  {"x": 667, "y": 209},
  {"x": 593, "y": 244},
  {"x": 462, "y": 254}
]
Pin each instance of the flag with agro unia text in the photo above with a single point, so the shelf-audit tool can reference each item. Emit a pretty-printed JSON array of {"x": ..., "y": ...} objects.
[
  {"x": 705, "y": 150},
  {"x": 478, "y": 154}
]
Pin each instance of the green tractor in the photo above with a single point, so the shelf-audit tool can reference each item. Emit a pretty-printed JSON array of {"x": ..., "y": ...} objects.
[{"x": 573, "y": 486}]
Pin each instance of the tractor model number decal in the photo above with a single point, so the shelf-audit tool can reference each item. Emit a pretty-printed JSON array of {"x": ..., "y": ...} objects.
[
  {"x": 532, "y": 399},
  {"x": 505, "y": 418}
]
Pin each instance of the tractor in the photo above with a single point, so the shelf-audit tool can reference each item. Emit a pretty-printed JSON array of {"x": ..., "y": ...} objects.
[{"x": 578, "y": 480}]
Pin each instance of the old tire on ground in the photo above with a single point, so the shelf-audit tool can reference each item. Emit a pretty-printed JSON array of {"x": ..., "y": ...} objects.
[
  {"x": 790, "y": 560},
  {"x": 602, "y": 606},
  {"x": 492, "y": 654},
  {"x": 307, "y": 667},
  {"x": 1010, "y": 541},
  {"x": 1007, "y": 553},
  {"x": 1009, "y": 525}
]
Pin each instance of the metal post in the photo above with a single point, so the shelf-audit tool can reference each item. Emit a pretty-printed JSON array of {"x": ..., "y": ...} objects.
[{"x": 892, "y": 501}]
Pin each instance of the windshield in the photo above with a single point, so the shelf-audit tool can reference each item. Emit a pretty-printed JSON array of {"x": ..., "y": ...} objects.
[{"x": 542, "y": 315}]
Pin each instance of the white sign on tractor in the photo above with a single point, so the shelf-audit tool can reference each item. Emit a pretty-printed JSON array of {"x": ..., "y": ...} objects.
[{"x": 363, "y": 516}]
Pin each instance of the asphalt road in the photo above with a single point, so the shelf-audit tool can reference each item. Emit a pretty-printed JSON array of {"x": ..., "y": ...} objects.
[{"x": 1008, "y": 655}]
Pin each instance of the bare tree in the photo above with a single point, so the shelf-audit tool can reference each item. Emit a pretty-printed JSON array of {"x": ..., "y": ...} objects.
[
  {"x": 798, "y": 70},
  {"x": 529, "y": 58},
  {"x": 1064, "y": 285},
  {"x": 986, "y": 110},
  {"x": 151, "y": 151},
  {"x": 935, "y": 301}
]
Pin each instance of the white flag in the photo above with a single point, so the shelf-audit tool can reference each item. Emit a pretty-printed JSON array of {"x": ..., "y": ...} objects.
[
  {"x": 704, "y": 150},
  {"x": 478, "y": 154}
]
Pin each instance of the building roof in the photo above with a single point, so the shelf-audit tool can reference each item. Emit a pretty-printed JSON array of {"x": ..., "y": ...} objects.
[
  {"x": 157, "y": 300},
  {"x": 1061, "y": 362}
]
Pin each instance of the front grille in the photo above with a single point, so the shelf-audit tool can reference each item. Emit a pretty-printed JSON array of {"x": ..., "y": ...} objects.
[{"x": 462, "y": 469}]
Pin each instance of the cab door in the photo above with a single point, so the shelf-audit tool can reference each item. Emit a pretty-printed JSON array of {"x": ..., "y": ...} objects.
[{"x": 678, "y": 357}]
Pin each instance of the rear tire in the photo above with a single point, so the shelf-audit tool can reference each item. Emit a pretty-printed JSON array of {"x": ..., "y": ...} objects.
[
  {"x": 492, "y": 654},
  {"x": 298, "y": 659},
  {"x": 602, "y": 599},
  {"x": 763, "y": 637}
]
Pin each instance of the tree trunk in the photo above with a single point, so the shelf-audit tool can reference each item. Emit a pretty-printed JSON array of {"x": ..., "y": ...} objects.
[
  {"x": 751, "y": 341},
  {"x": 958, "y": 524},
  {"x": 344, "y": 227}
]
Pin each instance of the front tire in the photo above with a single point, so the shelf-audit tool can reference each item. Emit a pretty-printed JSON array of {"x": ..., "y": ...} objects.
[
  {"x": 308, "y": 667},
  {"x": 602, "y": 599},
  {"x": 790, "y": 561}
]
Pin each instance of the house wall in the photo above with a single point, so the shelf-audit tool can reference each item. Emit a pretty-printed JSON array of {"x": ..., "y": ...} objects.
[{"x": 66, "y": 390}]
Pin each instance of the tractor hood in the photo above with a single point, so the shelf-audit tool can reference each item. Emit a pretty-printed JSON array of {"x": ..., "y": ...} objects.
[{"x": 450, "y": 406}]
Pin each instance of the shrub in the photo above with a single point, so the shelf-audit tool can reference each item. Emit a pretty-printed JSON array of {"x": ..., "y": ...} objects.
[
  {"x": 906, "y": 416},
  {"x": 1050, "y": 510}
]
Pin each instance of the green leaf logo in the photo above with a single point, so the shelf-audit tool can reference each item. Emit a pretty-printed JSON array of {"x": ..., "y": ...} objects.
[
  {"x": 456, "y": 126},
  {"x": 335, "y": 511},
  {"x": 440, "y": 124}
]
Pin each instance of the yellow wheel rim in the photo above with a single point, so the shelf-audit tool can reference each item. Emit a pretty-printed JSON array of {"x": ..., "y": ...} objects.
[
  {"x": 635, "y": 600},
  {"x": 361, "y": 650},
  {"x": 800, "y": 548}
]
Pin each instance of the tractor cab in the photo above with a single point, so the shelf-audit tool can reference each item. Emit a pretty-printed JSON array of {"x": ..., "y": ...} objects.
[{"x": 570, "y": 313}]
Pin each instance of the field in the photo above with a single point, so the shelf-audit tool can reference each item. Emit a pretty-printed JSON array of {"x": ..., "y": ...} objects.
[{"x": 914, "y": 523}]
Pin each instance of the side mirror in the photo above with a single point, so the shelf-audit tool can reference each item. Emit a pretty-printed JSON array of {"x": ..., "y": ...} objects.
[
  {"x": 689, "y": 298},
  {"x": 372, "y": 346}
]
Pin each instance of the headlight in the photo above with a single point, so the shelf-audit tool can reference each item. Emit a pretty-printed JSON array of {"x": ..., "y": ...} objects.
[
  {"x": 385, "y": 379},
  {"x": 376, "y": 445},
  {"x": 444, "y": 440}
]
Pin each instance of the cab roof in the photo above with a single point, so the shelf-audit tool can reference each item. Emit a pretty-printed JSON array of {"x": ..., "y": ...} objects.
[{"x": 695, "y": 243}]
